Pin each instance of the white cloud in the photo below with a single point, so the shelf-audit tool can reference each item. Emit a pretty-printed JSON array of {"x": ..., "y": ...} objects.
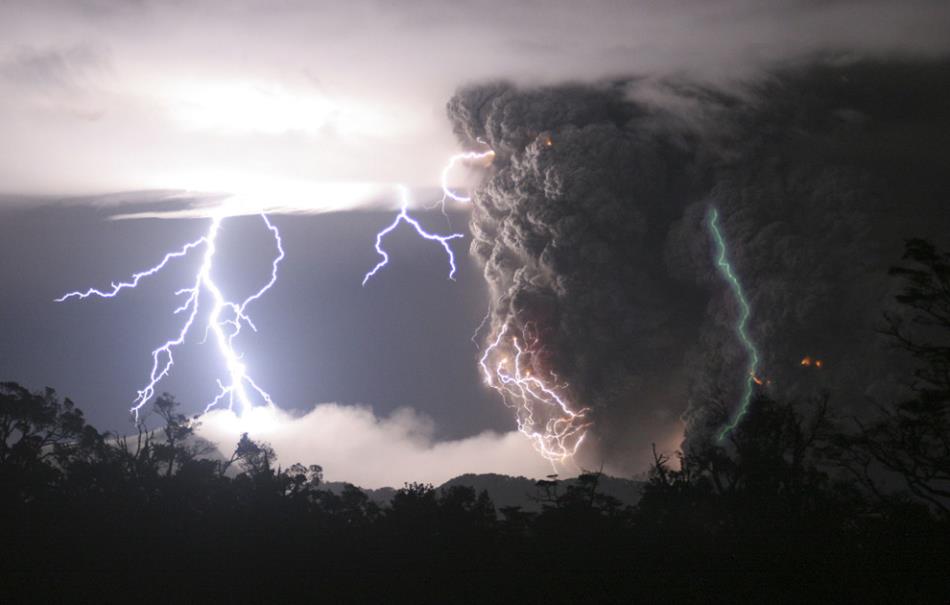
[{"x": 352, "y": 444}]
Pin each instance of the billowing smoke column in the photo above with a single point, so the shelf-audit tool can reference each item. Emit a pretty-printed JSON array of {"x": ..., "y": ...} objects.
[
  {"x": 592, "y": 227},
  {"x": 570, "y": 225},
  {"x": 818, "y": 174}
]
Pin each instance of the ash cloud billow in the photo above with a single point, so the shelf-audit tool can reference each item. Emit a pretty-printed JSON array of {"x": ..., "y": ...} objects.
[
  {"x": 591, "y": 228},
  {"x": 570, "y": 226}
]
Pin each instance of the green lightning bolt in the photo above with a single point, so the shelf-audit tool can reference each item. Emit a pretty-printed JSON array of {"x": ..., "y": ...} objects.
[{"x": 741, "y": 327}]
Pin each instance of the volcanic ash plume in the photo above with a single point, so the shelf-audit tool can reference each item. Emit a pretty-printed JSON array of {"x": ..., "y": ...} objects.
[
  {"x": 570, "y": 226},
  {"x": 592, "y": 227}
]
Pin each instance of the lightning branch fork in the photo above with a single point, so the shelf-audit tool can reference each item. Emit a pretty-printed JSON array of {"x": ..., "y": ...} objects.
[
  {"x": 541, "y": 407},
  {"x": 206, "y": 304},
  {"x": 404, "y": 216}
]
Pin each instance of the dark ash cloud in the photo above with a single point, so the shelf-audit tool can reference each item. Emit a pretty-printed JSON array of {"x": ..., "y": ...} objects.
[
  {"x": 591, "y": 230},
  {"x": 570, "y": 226}
]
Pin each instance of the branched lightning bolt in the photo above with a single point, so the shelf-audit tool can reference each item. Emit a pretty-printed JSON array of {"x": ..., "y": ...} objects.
[
  {"x": 404, "y": 216},
  {"x": 136, "y": 277},
  {"x": 725, "y": 268},
  {"x": 224, "y": 320},
  {"x": 541, "y": 411}
]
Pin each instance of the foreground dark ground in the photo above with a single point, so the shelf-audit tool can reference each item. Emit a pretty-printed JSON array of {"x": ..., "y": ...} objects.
[
  {"x": 795, "y": 504},
  {"x": 119, "y": 523}
]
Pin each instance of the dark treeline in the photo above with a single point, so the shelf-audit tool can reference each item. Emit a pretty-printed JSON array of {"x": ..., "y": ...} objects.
[{"x": 796, "y": 503}]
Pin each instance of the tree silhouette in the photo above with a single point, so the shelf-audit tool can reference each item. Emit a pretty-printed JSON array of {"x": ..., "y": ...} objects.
[
  {"x": 179, "y": 444},
  {"x": 911, "y": 438}
]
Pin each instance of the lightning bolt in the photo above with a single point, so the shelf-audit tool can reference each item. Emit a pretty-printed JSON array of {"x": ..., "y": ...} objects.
[
  {"x": 403, "y": 216},
  {"x": 224, "y": 320},
  {"x": 481, "y": 325},
  {"x": 469, "y": 156},
  {"x": 447, "y": 192},
  {"x": 541, "y": 411},
  {"x": 725, "y": 268}
]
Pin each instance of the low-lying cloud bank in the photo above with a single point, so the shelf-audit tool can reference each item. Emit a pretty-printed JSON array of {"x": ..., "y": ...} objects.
[{"x": 352, "y": 444}]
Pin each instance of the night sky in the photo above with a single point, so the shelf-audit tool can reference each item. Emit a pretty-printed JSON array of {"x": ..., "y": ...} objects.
[
  {"x": 817, "y": 128},
  {"x": 403, "y": 340}
]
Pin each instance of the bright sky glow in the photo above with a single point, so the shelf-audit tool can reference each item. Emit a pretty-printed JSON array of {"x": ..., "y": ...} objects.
[{"x": 247, "y": 106}]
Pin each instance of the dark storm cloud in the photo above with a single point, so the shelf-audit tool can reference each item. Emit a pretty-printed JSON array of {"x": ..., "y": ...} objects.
[{"x": 592, "y": 225}]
